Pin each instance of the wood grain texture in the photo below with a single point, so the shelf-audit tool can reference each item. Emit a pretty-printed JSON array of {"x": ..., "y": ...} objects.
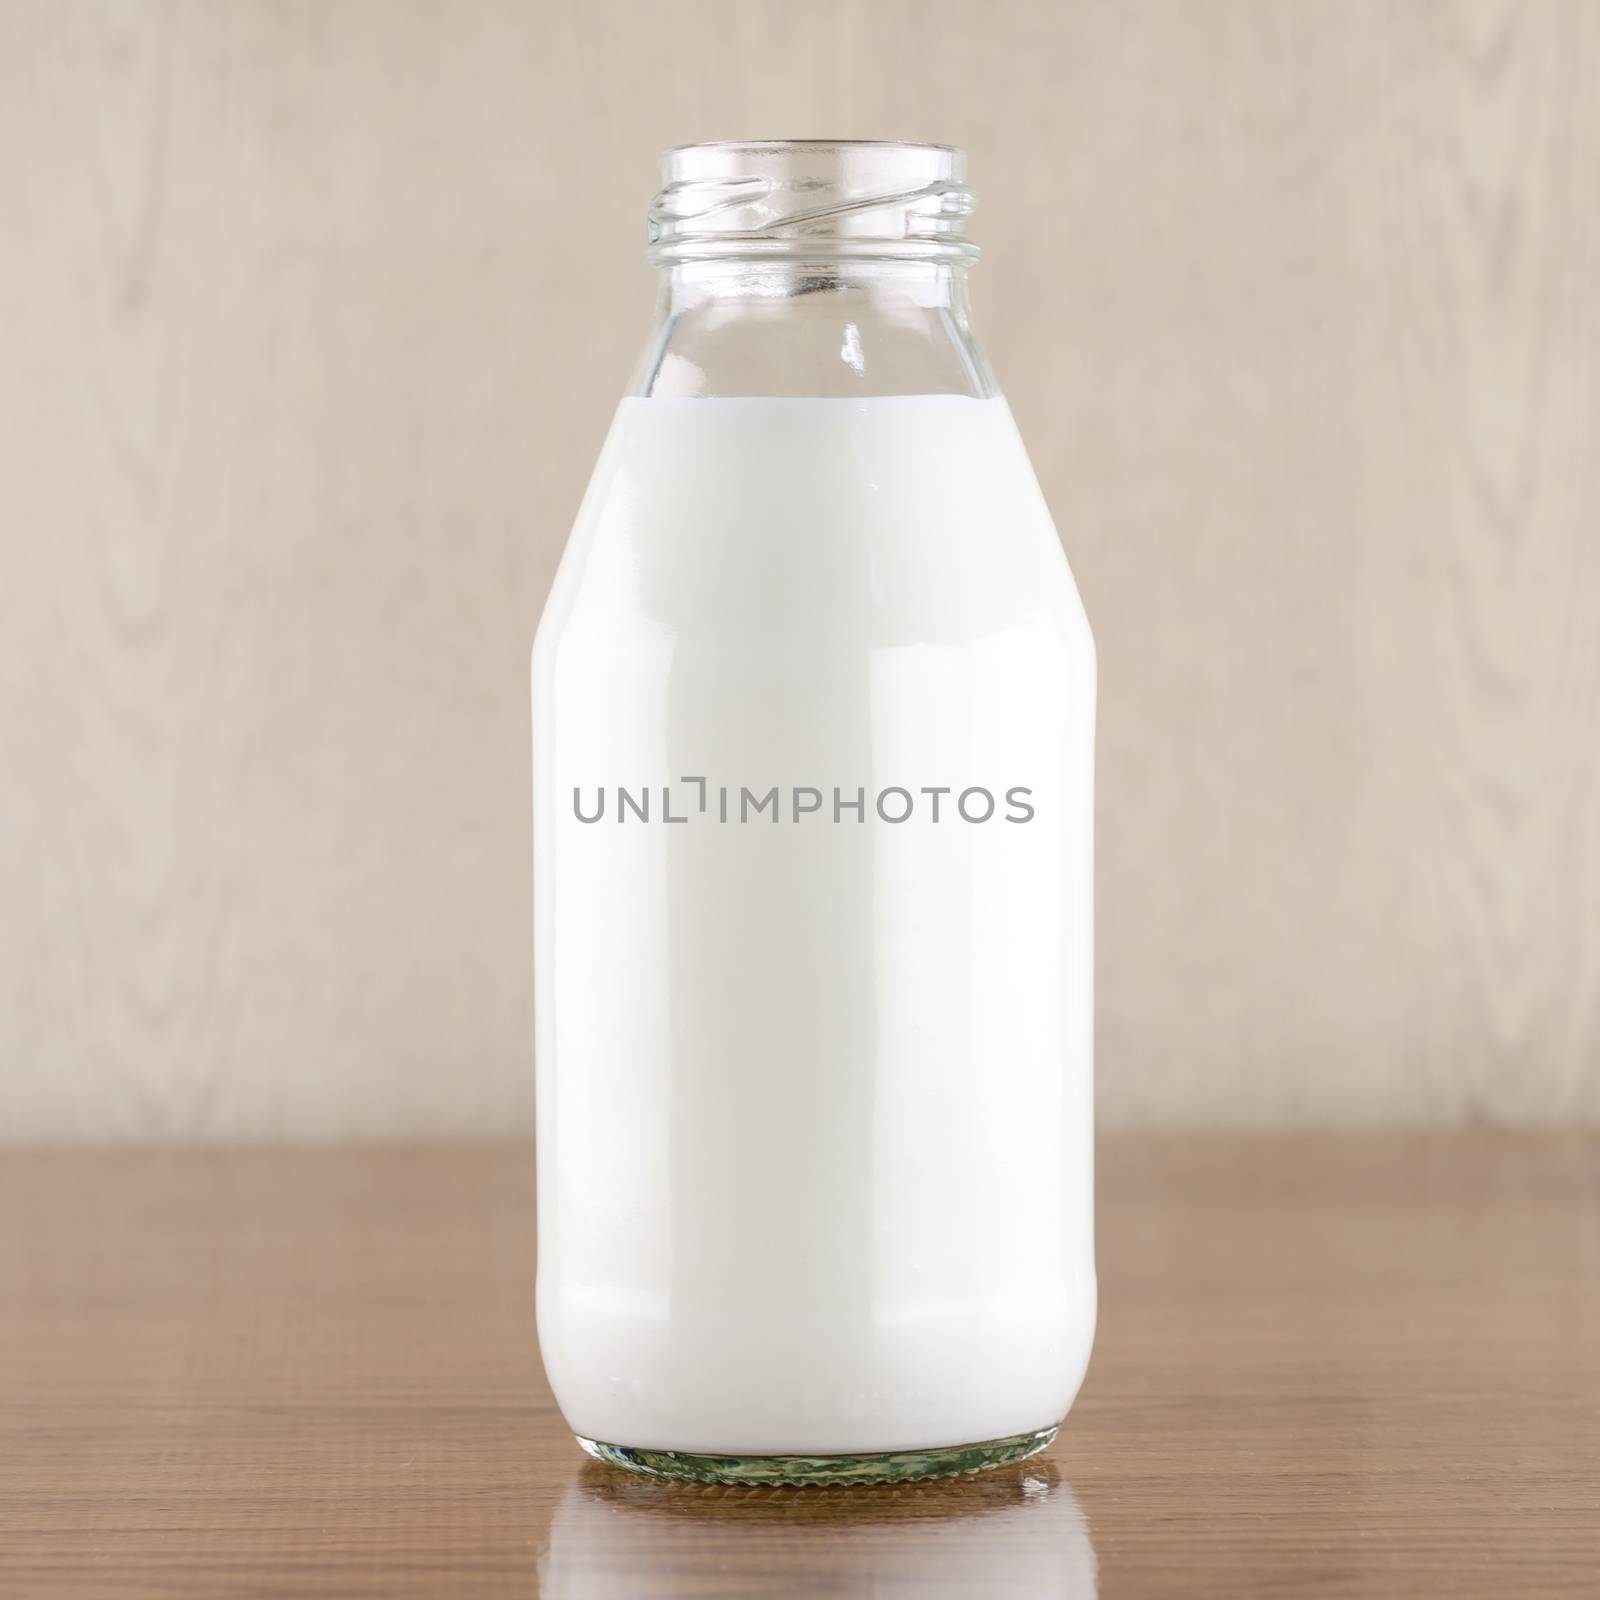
[
  {"x": 1359, "y": 1365},
  {"x": 315, "y": 315}
]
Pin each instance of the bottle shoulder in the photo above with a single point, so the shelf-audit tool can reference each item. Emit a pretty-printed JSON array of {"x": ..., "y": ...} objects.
[{"x": 913, "y": 516}]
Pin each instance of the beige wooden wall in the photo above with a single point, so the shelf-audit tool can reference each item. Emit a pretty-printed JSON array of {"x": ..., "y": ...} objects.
[{"x": 314, "y": 314}]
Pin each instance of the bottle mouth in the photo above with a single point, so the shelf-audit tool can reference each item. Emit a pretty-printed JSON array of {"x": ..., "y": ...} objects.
[{"x": 811, "y": 199}]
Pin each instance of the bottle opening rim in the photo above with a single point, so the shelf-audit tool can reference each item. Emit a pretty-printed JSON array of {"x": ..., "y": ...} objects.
[
  {"x": 811, "y": 199},
  {"x": 809, "y": 144}
]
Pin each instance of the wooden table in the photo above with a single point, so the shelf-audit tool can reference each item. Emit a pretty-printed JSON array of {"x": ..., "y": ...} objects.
[{"x": 1334, "y": 1365}]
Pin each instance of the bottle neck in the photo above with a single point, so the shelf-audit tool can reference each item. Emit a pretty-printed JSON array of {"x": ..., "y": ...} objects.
[{"x": 830, "y": 328}]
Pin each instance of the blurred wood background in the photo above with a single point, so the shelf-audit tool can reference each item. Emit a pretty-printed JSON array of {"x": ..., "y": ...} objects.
[{"x": 315, "y": 315}]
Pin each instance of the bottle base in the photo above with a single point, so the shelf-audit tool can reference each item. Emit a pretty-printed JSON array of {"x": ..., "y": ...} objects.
[{"x": 895, "y": 1466}]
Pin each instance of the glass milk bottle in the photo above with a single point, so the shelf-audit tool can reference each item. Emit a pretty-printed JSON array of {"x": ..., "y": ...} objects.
[{"x": 813, "y": 710}]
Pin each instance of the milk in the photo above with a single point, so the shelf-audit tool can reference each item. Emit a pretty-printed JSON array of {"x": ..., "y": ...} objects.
[{"x": 813, "y": 717}]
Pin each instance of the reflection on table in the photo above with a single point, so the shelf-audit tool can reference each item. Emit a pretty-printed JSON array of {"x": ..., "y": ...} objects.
[{"x": 1017, "y": 1530}]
